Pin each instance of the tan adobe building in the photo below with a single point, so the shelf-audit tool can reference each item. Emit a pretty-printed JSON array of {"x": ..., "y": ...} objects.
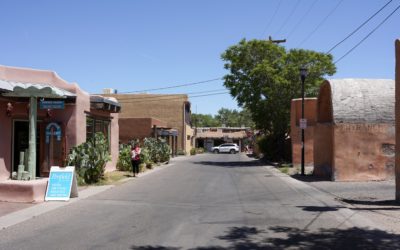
[
  {"x": 354, "y": 136},
  {"x": 170, "y": 112},
  {"x": 310, "y": 110}
]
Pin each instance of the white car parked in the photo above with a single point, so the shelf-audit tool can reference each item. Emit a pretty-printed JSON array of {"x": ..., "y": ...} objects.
[{"x": 231, "y": 148}]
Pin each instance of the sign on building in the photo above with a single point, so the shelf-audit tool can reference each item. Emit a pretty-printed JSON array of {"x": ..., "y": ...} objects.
[
  {"x": 51, "y": 104},
  {"x": 62, "y": 184},
  {"x": 303, "y": 123}
]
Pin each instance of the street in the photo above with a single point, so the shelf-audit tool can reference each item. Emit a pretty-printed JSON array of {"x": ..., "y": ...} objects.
[{"x": 208, "y": 201}]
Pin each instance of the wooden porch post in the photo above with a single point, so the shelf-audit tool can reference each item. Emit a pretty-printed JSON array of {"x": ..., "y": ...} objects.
[{"x": 32, "y": 137}]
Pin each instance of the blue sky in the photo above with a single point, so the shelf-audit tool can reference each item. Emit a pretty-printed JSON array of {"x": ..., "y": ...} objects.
[{"x": 137, "y": 45}]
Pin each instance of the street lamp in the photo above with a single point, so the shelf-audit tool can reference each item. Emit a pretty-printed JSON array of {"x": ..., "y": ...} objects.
[{"x": 303, "y": 122}]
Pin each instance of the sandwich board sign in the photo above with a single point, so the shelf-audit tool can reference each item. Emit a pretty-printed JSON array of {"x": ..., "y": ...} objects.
[{"x": 62, "y": 184}]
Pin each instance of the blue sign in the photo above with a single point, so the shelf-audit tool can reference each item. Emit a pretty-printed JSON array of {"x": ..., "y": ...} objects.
[
  {"x": 53, "y": 129},
  {"x": 51, "y": 104},
  {"x": 61, "y": 182}
]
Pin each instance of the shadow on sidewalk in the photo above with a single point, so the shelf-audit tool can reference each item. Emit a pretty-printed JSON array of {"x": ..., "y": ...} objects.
[{"x": 373, "y": 204}]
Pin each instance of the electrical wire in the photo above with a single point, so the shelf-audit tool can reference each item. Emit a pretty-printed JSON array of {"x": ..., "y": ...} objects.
[
  {"x": 320, "y": 24},
  {"x": 140, "y": 96},
  {"x": 302, "y": 19},
  {"x": 359, "y": 27},
  {"x": 288, "y": 17},
  {"x": 369, "y": 34},
  {"x": 157, "y": 99},
  {"x": 272, "y": 18},
  {"x": 174, "y": 86}
]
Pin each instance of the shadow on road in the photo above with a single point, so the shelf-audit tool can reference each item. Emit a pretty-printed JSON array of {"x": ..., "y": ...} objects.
[
  {"x": 320, "y": 209},
  {"x": 230, "y": 164},
  {"x": 242, "y": 238},
  {"x": 309, "y": 178}
]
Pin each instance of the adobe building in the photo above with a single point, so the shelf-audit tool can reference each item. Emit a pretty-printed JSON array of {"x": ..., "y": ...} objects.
[
  {"x": 209, "y": 137},
  {"x": 42, "y": 117},
  {"x": 140, "y": 128},
  {"x": 310, "y": 110},
  {"x": 354, "y": 137},
  {"x": 397, "y": 46},
  {"x": 169, "y": 114}
]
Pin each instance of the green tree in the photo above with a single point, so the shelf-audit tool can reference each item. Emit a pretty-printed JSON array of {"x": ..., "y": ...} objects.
[
  {"x": 264, "y": 77},
  {"x": 234, "y": 118},
  {"x": 202, "y": 120}
]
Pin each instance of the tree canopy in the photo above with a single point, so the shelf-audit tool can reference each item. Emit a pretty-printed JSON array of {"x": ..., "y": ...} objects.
[
  {"x": 224, "y": 117},
  {"x": 264, "y": 77}
]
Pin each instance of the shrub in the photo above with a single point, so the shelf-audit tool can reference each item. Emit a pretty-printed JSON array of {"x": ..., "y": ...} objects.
[
  {"x": 124, "y": 159},
  {"x": 90, "y": 158},
  {"x": 180, "y": 152},
  {"x": 200, "y": 150},
  {"x": 158, "y": 149},
  {"x": 192, "y": 151}
]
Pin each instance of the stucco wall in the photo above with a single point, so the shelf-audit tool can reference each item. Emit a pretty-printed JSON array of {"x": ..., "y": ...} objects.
[
  {"x": 323, "y": 153},
  {"x": 5, "y": 142},
  {"x": 364, "y": 152},
  {"x": 167, "y": 108},
  {"x": 310, "y": 107},
  {"x": 137, "y": 128},
  {"x": 189, "y": 138},
  {"x": 397, "y": 46},
  {"x": 73, "y": 117}
]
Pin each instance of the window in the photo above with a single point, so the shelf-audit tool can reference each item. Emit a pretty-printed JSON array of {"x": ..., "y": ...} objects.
[{"x": 97, "y": 124}]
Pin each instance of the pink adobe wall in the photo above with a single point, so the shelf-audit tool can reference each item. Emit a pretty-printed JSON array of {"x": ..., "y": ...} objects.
[
  {"x": 397, "y": 108},
  {"x": 73, "y": 116},
  {"x": 5, "y": 142},
  {"x": 310, "y": 107},
  {"x": 75, "y": 133},
  {"x": 114, "y": 137},
  {"x": 363, "y": 152}
]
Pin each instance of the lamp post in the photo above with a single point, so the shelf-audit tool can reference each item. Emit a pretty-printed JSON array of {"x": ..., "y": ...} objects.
[{"x": 303, "y": 75}]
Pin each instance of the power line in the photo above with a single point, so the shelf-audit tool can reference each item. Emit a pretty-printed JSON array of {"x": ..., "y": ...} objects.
[
  {"x": 174, "y": 86},
  {"x": 321, "y": 23},
  {"x": 302, "y": 19},
  {"x": 359, "y": 27},
  {"x": 370, "y": 33},
  {"x": 288, "y": 17},
  {"x": 121, "y": 97},
  {"x": 155, "y": 99},
  {"x": 272, "y": 18}
]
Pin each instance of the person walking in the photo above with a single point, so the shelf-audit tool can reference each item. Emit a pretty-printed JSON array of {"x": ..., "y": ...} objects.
[{"x": 135, "y": 159}]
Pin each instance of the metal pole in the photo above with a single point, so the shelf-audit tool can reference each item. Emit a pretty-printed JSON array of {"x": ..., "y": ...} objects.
[{"x": 302, "y": 129}]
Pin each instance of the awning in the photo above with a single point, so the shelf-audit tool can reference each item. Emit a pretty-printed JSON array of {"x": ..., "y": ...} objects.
[
  {"x": 18, "y": 89},
  {"x": 105, "y": 103}
]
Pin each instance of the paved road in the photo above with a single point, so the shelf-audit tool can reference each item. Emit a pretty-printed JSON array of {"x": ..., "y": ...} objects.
[{"x": 200, "y": 203}]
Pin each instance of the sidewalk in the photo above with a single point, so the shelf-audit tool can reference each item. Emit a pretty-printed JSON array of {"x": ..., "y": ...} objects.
[
  {"x": 374, "y": 200},
  {"x": 12, "y": 213}
]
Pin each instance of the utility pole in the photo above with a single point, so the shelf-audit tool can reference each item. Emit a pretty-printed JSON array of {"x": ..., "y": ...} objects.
[{"x": 276, "y": 41}]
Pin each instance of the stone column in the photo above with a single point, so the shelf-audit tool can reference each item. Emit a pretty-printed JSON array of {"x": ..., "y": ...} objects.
[{"x": 397, "y": 108}]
